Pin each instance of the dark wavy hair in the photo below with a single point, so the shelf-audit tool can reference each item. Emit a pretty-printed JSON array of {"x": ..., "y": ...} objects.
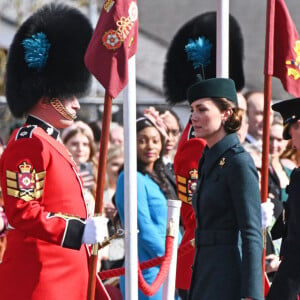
[
  {"x": 158, "y": 174},
  {"x": 233, "y": 123}
]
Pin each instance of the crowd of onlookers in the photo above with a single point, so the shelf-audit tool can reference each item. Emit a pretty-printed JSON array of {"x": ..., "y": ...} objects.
[{"x": 82, "y": 140}]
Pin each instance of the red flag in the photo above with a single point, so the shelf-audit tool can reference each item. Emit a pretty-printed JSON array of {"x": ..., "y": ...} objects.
[
  {"x": 283, "y": 53},
  {"x": 114, "y": 41}
]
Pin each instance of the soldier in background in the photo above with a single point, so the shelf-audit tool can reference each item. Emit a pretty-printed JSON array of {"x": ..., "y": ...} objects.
[{"x": 286, "y": 283}]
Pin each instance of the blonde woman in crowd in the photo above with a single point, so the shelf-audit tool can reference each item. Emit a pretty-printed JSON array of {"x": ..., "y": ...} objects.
[
  {"x": 115, "y": 160},
  {"x": 79, "y": 140}
]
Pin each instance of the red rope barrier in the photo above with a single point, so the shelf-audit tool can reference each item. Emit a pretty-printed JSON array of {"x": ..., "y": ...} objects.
[
  {"x": 121, "y": 271},
  {"x": 164, "y": 261},
  {"x": 150, "y": 290}
]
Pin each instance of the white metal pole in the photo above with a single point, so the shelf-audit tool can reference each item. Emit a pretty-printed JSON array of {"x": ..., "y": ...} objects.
[
  {"x": 130, "y": 184},
  {"x": 223, "y": 39},
  {"x": 173, "y": 216}
]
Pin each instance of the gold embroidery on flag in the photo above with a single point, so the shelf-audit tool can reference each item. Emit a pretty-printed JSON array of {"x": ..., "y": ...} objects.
[
  {"x": 108, "y": 5},
  {"x": 113, "y": 39},
  {"x": 294, "y": 70},
  {"x": 124, "y": 27}
]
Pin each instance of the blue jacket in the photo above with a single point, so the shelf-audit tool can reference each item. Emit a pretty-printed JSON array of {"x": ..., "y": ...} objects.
[{"x": 152, "y": 222}]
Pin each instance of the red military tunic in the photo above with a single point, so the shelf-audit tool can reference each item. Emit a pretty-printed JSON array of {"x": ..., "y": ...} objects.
[
  {"x": 186, "y": 160},
  {"x": 44, "y": 203}
]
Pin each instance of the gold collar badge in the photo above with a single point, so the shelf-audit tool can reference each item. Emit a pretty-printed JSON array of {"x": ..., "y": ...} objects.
[{"x": 222, "y": 162}]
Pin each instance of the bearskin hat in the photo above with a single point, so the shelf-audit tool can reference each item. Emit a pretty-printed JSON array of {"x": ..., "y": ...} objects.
[
  {"x": 179, "y": 72},
  {"x": 46, "y": 57}
]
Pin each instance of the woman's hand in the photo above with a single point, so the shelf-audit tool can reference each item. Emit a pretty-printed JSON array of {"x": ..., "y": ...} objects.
[{"x": 109, "y": 210}]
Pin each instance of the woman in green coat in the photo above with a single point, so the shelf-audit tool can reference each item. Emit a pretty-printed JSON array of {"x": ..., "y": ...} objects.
[{"x": 228, "y": 239}]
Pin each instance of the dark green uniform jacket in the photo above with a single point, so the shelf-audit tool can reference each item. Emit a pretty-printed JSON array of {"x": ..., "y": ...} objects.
[{"x": 228, "y": 237}]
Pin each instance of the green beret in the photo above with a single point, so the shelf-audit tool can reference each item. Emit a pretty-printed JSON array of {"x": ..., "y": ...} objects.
[
  {"x": 213, "y": 88},
  {"x": 290, "y": 112}
]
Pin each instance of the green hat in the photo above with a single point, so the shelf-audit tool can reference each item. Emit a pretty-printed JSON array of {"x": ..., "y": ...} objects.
[
  {"x": 213, "y": 88},
  {"x": 290, "y": 112}
]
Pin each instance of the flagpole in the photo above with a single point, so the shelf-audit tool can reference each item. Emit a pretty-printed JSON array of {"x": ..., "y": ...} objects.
[
  {"x": 130, "y": 183},
  {"x": 268, "y": 70},
  {"x": 114, "y": 41},
  {"x": 100, "y": 189},
  {"x": 222, "y": 65}
]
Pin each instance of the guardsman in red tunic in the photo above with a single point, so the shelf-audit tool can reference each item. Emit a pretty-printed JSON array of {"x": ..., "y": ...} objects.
[
  {"x": 188, "y": 154},
  {"x": 49, "y": 229}
]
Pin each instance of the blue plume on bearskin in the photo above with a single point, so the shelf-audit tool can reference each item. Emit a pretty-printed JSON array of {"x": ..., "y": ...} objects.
[{"x": 179, "y": 72}]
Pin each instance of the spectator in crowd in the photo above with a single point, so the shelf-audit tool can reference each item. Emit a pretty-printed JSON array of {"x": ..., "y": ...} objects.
[
  {"x": 286, "y": 283},
  {"x": 116, "y": 134},
  {"x": 253, "y": 140},
  {"x": 114, "y": 162},
  {"x": 152, "y": 193},
  {"x": 46, "y": 255},
  {"x": 255, "y": 109},
  {"x": 224, "y": 205},
  {"x": 242, "y": 104},
  {"x": 79, "y": 140},
  {"x": 172, "y": 124},
  {"x": 96, "y": 127},
  {"x": 278, "y": 174},
  {"x": 116, "y": 251},
  {"x": 278, "y": 181}
]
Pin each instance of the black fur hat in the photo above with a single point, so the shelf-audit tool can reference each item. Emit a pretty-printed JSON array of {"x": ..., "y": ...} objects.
[
  {"x": 46, "y": 57},
  {"x": 179, "y": 73}
]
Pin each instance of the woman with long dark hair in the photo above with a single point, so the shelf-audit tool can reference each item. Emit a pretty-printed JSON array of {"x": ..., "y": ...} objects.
[{"x": 152, "y": 193}]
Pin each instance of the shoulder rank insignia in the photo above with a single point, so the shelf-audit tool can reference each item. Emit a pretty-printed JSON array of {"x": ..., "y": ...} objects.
[
  {"x": 187, "y": 186},
  {"x": 25, "y": 132},
  {"x": 25, "y": 184}
]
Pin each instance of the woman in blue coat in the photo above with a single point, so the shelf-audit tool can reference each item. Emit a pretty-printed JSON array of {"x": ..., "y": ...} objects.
[
  {"x": 152, "y": 194},
  {"x": 228, "y": 236}
]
